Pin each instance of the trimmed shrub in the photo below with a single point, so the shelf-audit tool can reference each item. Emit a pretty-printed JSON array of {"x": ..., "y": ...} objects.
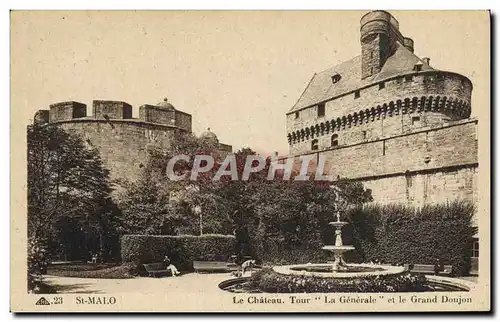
[
  {"x": 277, "y": 252},
  {"x": 392, "y": 234},
  {"x": 398, "y": 234},
  {"x": 182, "y": 250},
  {"x": 269, "y": 281}
]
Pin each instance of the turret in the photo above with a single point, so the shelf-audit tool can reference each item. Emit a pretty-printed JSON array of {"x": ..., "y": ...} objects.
[
  {"x": 115, "y": 110},
  {"x": 379, "y": 37},
  {"x": 66, "y": 111}
]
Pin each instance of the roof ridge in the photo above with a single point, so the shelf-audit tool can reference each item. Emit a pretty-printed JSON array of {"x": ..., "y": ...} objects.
[{"x": 303, "y": 92}]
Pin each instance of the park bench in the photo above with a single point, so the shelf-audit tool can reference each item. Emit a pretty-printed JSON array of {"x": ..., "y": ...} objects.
[
  {"x": 216, "y": 263},
  {"x": 211, "y": 266},
  {"x": 428, "y": 269},
  {"x": 155, "y": 269}
]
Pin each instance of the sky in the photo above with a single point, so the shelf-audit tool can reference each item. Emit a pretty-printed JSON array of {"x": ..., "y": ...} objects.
[{"x": 237, "y": 73}]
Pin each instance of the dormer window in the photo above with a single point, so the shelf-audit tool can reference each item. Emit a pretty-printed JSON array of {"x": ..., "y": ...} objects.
[
  {"x": 417, "y": 67},
  {"x": 336, "y": 78},
  {"x": 321, "y": 109}
]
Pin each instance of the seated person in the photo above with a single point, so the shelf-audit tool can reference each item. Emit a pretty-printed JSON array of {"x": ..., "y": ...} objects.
[
  {"x": 94, "y": 259},
  {"x": 171, "y": 266}
]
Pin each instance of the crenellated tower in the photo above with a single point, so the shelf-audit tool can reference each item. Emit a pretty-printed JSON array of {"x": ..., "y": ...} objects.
[
  {"x": 122, "y": 140},
  {"x": 391, "y": 120}
]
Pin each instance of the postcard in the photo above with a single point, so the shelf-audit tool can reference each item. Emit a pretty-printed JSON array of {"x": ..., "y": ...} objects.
[{"x": 250, "y": 161}]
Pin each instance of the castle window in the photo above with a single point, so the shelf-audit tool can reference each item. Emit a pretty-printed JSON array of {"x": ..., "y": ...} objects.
[
  {"x": 383, "y": 147},
  {"x": 297, "y": 115},
  {"x": 364, "y": 135},
  {"x": 408, "y": 78},
  {"x": 335, "y": 140},
  {"x": 335, "y": 78},
  {"x": 371, "y": 54},
  {"x": 356, "y": 94},
  {"x": 475, "y": 248},
  {"x": 415, "y": 120},
  {"x": 314, "y": 144},
  {"x": 321, "y": 109},
  {"x": 381, "y": 85}
]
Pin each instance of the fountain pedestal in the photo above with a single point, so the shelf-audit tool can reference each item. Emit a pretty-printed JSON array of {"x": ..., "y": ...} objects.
[{"x": 338, "y": 249}]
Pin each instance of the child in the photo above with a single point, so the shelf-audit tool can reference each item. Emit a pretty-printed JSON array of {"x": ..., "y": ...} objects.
[{"x": 171, "y": 266}]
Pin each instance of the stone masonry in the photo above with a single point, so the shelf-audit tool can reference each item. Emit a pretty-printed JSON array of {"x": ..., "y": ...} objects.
[
  {"x": 122, "y": 141},
  {"x": 389, "y": 119}
]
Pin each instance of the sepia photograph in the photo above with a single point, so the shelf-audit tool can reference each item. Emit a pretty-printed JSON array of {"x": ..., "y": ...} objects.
[{"x": 250, "y": 161}]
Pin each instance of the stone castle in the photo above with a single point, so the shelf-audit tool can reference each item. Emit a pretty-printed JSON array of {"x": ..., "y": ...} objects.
[
  {"x": 386, "y": 118},
  {"x": 122, "y": 140},
  {"x": 389, "y": 119}
]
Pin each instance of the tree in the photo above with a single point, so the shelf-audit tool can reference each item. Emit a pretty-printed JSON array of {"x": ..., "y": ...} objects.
[
  {"x": 69, "y": 204},
  {"x": 154, "y": 204},
  {"x": 253, "y": 210}
]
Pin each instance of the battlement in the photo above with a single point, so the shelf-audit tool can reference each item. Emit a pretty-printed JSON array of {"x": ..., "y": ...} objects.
[
  {"x": 111, "y": 110},
  {"x": 162, "y": 114},
  {"x": 66, "y": 111}
]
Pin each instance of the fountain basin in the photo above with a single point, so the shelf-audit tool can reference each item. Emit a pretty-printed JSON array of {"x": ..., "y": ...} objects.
[
  {"x": 353, "y": 270},
  {"x": 434, "y": 284},
  {"x": 338, "y": 224},
  {"x": 334, "y": 248}
]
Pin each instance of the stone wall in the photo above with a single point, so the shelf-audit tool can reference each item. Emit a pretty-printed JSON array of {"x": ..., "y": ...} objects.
[
  {"x": 183, "y": 120},
  {"x": 67, "y": 111},
  {"x": 111, "y": 110},
  {"x": 445, "y": 93},
  {"x": 154, "y": 114},
  {"x": 425, "y": 166},
  {"x": 122, "y": 144},
  {"x": 453, "y": 145},
  {"x": 418, "y": 189}
]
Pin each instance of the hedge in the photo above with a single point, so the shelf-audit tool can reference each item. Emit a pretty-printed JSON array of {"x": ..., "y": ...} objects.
[
  {"x": 277, "y": 252},
  {"x": 392, "y": 234},
  {"x": 398, "y": 234},
  {"x": 182, "y": 250}
]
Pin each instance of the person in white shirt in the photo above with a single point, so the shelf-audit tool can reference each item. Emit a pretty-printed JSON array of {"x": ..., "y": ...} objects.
[
  {"x": 171, "y": 266},
  {"x": 247, "y": 265}
]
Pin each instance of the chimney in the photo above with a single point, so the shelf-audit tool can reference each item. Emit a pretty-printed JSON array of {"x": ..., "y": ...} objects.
[{"x": 426, "y": 60}]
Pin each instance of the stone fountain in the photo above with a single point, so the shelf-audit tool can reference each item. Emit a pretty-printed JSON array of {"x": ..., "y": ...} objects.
[
  {"x": 339, "y": 248},
  {"x": 339, "y": 270}
]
